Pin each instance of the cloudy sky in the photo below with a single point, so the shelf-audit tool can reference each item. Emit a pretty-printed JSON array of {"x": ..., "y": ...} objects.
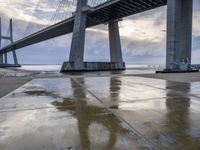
[{"x": 143, "y": 35}]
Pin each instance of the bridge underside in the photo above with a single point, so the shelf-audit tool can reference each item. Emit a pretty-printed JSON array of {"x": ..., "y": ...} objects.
[{"x": 111, "y": 10}]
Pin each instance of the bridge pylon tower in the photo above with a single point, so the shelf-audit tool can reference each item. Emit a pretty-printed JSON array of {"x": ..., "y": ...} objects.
[
  {"x": 76, "y": 58},
  {"x": 179, "y": 36},
  {"x": 4, "y": 57}
]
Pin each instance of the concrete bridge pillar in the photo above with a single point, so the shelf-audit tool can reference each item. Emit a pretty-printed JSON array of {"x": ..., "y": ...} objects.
[
  {"x": 4, "y": 57},
  {"x": 115, "y": 44},
  {"x": 76, "y": 58},
  {"x": 78, "y": 37},
  {"x": 11, "y": 39},
  {"x": 1, "y": 56},
  {"x": 179, "y": 34},
  {"x": 1, "y": 59}
]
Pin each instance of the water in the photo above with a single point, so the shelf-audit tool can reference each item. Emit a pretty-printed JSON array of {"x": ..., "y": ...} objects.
[
  {"x": 41, "y": 67},
  {"x": 54, "y": 70},
  {"x": 57, "y": 67}
]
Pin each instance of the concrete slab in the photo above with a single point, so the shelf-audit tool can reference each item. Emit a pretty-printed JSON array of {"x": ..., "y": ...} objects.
[
  {"x": 101, "y": 113},
  {"x": 163, "y": 111},
  {"x": 8, "y": 84},
  {"x": 41, "y": 115}
]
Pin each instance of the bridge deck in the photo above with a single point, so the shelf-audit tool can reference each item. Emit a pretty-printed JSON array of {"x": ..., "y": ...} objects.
[{"x": 114, "y": 9}]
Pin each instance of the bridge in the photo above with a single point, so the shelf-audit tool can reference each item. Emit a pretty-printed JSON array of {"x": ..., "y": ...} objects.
[{"x": 179, "y": 33}]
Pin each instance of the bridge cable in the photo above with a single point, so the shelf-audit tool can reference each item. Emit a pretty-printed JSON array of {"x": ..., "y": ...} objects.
[
  {"x": 51, "y": 21},
  {"x": 55, "y": 16},
  {"x": 30, "y": 23},
  {"x": 51, "y": 15}
]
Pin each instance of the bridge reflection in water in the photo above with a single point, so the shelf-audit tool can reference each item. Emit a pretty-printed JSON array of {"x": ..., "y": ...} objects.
[
  {"x": 175, "y": 129},
  {"x": 88, "y": 115}
]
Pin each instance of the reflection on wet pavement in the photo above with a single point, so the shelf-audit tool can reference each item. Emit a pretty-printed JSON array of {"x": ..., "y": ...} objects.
[{"x": 101, "y": 113}]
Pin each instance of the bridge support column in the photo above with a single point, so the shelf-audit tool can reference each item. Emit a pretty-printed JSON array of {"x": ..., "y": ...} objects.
[
  {"x": 11, "y": 39},
  {"x": 115, "y": 45},
  {"x": 179, "y": 35},
  {"x": 78, "y": 38},
  {"x": 76, "y": 58},
  {"x": 3, "y": 56},
  {"x": 1, "y": 59},
  {"x": 6, "y": 58}
]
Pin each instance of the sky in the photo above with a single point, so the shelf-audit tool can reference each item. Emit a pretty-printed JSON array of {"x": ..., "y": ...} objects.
[{"x": 143, "y": 36}]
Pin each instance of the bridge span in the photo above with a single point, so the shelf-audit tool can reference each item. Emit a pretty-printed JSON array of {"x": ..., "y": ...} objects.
[{"x": 179, "y": 32}]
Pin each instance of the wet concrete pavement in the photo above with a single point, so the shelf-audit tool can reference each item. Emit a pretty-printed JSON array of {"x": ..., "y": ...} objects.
[
  {"x": 101, "y": 113},
  {"x": 8, "y": 84}
]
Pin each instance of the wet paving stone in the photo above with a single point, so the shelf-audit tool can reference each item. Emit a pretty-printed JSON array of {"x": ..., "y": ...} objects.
[{"x": 101, "y": 113}]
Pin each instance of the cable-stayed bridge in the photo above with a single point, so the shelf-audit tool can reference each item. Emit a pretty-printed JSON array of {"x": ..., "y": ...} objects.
[{"x": 77, "y": 15}]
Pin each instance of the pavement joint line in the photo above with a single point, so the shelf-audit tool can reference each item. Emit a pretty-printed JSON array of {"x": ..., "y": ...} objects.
[{"x": 137, "y": 133}]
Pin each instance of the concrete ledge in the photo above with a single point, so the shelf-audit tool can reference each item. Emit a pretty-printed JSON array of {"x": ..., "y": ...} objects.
[
  {"x": 177, "y": 71},
  {"x": 92, "y": 66},
  {"x": 9, "y": 65}
]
